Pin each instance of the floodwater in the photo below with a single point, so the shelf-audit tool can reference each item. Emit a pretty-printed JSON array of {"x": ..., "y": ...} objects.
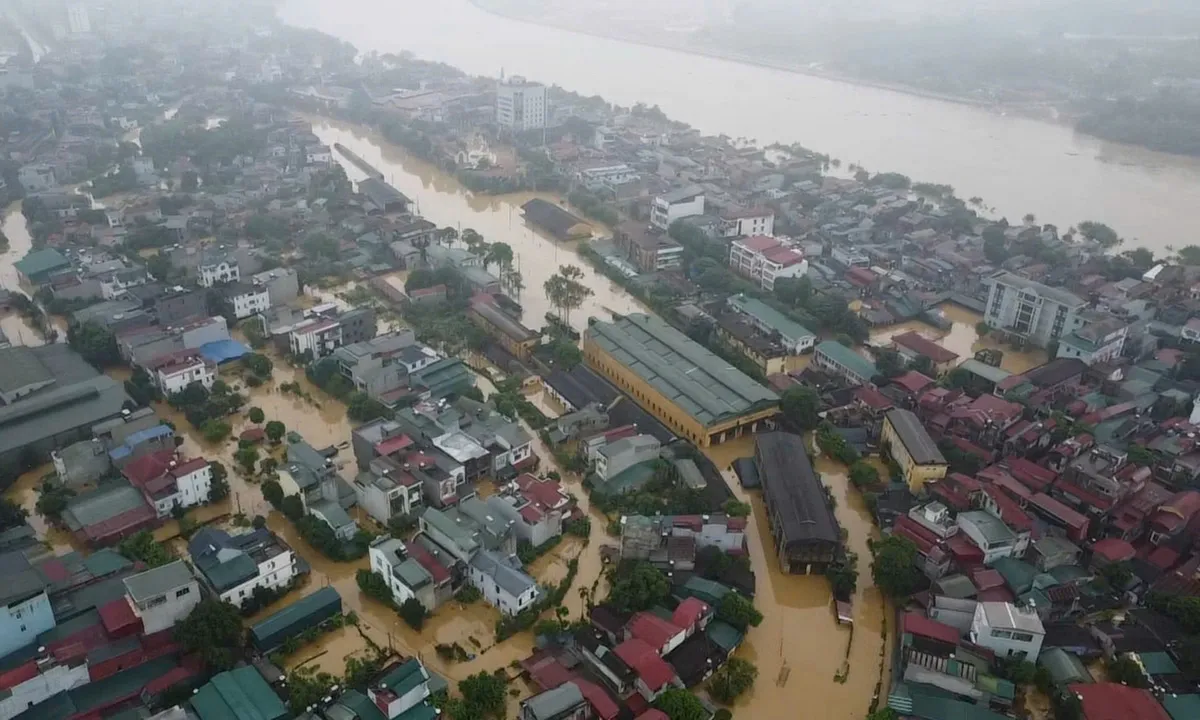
[
  {"x": 16, "y": 328},
  {"x": 1017, "y": 165},
  {"x": 799, "y": 648},
  {"x": 442, "y": 200},
  {"x": 964, "y": 339}
]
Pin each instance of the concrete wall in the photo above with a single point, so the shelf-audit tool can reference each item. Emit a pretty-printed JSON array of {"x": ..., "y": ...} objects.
[{"x": 22, "y": 622}]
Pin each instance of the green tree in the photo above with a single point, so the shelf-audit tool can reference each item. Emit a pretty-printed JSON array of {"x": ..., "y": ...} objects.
[
  {"x": 679, "y": 704},
  {"x": 1100, "y": 233},
  {"x": 735, "y": 678},
  {"x": 272, "y": 493},
  {"x": 373, "y": 585},
  {"x": 11, "y": 514},
  {"x": 258, "y": 364},
  {"x": 218, "y": 489},
  {"x": 800, "y": 405},
  {"x": 894, "y": 566},
  {"x": 566, "y": 292},
  {"x": 275, "y": 430},
  {"x": 1190, "y": 255},
  {"x": 1125, "y": 670},
  {"x": 142, "y": 546},
  {"x": 215, "y": 430},
  {"x": 738, "y": 611},
  {"x": 361, "y": 407},
  {"x": 52, "y": 499},
  {"x": 95, "y": 343},
  {"x": 256, "y": 415},
  {"x": 413, "y": 613},
  {"x": 213, "y": 630},
  {"x": 247, "y": 457},
  {"x": 889, "y": 363},
  {"x": 306, "y": 687},
  {"x": 864, "y": 475},
  {"x": 501, "y": 255},
  {"x": 638, "y": 586},
  {"x": 736, "y": 508},
  {"x": 486, "y": 693},
  {"x": 293, "y": 507}
]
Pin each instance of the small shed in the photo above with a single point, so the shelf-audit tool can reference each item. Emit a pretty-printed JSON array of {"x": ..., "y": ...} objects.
[{"x": 294, "y": 619}]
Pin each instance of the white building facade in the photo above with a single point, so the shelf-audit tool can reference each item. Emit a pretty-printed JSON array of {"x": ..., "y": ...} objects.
[
  {"x": 223, "y": 271},
  {"x": 176, "y": 376},
  {"x": 1039, "y": 313},
  {"x": 676, "y": 205},
  {"x": 520, "y": 104},
  {"x": 1008, "y": 630},
  {"x": 251, "y": 300}
]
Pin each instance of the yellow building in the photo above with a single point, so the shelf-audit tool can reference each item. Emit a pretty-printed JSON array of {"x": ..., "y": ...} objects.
[
  {"x": 512, "y": 335},
  {"x": 692, "y": 391},
  {"x": 914, "y": 451}
]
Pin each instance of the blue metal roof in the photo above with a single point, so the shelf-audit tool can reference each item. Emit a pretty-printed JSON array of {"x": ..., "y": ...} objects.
[
  {"x": 137, "y": 438},
  {"x": 223, "y": 351}
]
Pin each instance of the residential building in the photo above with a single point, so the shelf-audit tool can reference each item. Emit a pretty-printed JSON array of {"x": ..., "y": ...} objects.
[
  {"x": 388, "y": 490},
  {"x": 25, "y": 609},
  {"x": 1008, "y": 630},
  {"x": 1037, "y": 313},
  {"x": 163, "y": 596},
  {"x": 805, "y": 533},
  {"x": 1099, "y": 339},
  {"x": 615, "y": 458},
  {"x": 382, "y": 367},
  {"x": 503, "y": 584},
  {"x": 676, "y": 205},
  {"x": 834, "y": 357},
  {"x": 672, "y": 541},
  {"x": 909, "y": 444},
  {"x": 536, "y": 508},
  {"x": 565, "y": 702},
  {"x": 912, "y": 345},
  {"x": 335, "y": 516},
  {"x": 50, "y": 397},
  {"x": 401, "y": 691},
  {"x": 238, "y": 694},
  {"x": 407, "y": 578},
  {"x": 507, "y": 330},
  {"x": 605, "y": 176},
  {"x": 282, "y": 284},
  {"x": 649, "y": 248},
  {"x": 83, "y": 462},
  {"x": 108, "y": 514},
  {"x": 473, "y": 434},
  {"x": 764, "y": 260},
  {"x": 233, "y": 566},
  {"x": 745, "y": 222},
  {"x": 457, "y": 542},
  {"x": 36, "y": 178},
  {"x": 173, "y": 372},
  {"x": 216, "y": 266},
  {"x": 167, "y": 480},
  {"x": 34, "y": 270},
  {"x": 694, "y": 392},
  {"x": 793, "y": 336},
  {"x": 315, "y": 338},
  {"x": 247, "y": 300},
  {"x": 520, "y": 104},
  {"x": 990, "y": 534}
]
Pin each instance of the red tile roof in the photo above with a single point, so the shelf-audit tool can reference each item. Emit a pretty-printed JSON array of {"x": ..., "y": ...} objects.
[
  {"x": 924, "y": 346},
  {"x": 1113, "y": 701},
  {"x": 652, "y": 669},
  {"x": 1176, "y": 512},
  {"x": 606, "y": 708},
  {"x": 1061, "y": 512},
  {"x": 547, "y": 494},
  {"x": 655, "y": 631},
  {"x": 653, "y": 714},
  {"x": 1010, "y": 512},
  {"x": 872, "y": 398},
  {"x": 783, "y": 256},
  {"x": 545, "y": 670},
  {"x": 188, "y": 467},
  {"x": 912, "y": 381},
  {"x": 1034, "y": 476},
  {"x": 431, "y": 564},
  {"x": 147, "y": 467},
  {"x": 759, "y": 243},
  {"x": 917, "y": 624},
  {"x": 393, "y": 444},
  {"x": 1113, "y": 549},
  {"x": 689, "y": 612},
  {"x": 118, "y": 617},
  {"x": 986, "y": 579}
]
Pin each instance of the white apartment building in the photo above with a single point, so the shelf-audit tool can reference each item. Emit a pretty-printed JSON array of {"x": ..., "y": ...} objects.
[
  {"x": 234, "y": 565},
  {"x": 989, "y": 534},
  {"x": 1027, "y": 308},
  {"x": 676, "y": 205},
  {"x": 751, "y": 221},
  {"x": 318, "y": 336},
  {"x": 318, "y": 155},
  {"x": 219, "y": 270},
  {"x": 163, "y": 596},
  {"x": 520, "y": 104},
  {"x": 193, "y": 480},
  {"x": 1008, "y": 630},
  {"x": 598, "y": 178},
  {"x": 503, "y": 584},
  {"x": 765, "y": 259},
  {"x": 249, "y": 300},
  {"x": 175, "y": 372},
  {"x": 1100, "y": 339}
]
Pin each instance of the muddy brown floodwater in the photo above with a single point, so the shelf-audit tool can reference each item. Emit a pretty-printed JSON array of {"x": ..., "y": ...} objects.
[
  {"x": 964, "y": 339},
  {"x": 799, "y": 647},
  {"x": 441, "y": 199},
  {"x": 16, "y": 328}
]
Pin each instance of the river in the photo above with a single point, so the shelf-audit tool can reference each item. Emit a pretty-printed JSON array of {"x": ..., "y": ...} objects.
[{"x": 1017, "y": 165}]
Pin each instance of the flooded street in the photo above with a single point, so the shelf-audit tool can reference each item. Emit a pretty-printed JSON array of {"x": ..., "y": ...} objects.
[
  {"x": 799, "y": 647},
  {"x": 17, "y": 328},
  {"x": 963, "y": 338},
  {"x": 442, "y": 200}
]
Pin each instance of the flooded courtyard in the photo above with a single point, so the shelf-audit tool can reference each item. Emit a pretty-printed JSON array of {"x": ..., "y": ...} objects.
[{"x": 963, "y": 338}]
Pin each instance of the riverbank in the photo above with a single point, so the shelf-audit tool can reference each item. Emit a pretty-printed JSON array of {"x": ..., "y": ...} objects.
[{"x": 1039, "y": 111}]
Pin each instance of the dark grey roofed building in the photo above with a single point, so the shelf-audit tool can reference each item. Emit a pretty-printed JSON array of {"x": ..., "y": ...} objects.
[
  {"x": 50, "y": 397},
  {"x": 910, "y": 431},
  {"x": 806, "y": 534}
]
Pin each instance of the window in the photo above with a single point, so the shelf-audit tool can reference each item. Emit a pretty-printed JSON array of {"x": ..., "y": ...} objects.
[{"x": 182, "y": 591}]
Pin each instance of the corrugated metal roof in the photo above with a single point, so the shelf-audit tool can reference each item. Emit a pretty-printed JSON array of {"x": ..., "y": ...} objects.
[
  {"x": 239, "y": 694},
  {"x": 915, "y": 438}
]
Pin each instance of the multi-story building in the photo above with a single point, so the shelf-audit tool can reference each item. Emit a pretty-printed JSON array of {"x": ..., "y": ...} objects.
[
  {"x": 1008, "y": 630},
  {"x": 503, "y": 584},
  {"x": 765, "y": 259},
  {"x": 1099, "y": 339},
  {"x": 163, "y": 596},
  {"x": 167, "y": 481},
  {"x": 834, "y": 357},
  {"x": 648, "y": 248},
  {"x": 282, "y": 284},
  {"x": 247, "y": 299},
  {"x": 598, "y": 178},
  {"x": 691, "y": 390},
  {"x": 748, "y": 221},
  {"x": 217, "y": 266},
  {"x": 1027, "y": 309},
  {"x": 407, "y": 578},
  {"x": 676, "y": 205},
  {"x": 990, "y": 534},
  {"x": 387, "y": 490},
  {"x": 520, "y": 104},
  {"x": 615, "y": 458},
  {"x": 910, "y": 446},
  {"x": 318, "y": 337},
  {"x": 232, "y": 566},
  {"x": 507, "y": 330},
  {"x": 805, "y": 533},
  {"x": 25, "y": 610},
  {"x": 175, "y": 371},
  {"x": 794, "y": 337}
]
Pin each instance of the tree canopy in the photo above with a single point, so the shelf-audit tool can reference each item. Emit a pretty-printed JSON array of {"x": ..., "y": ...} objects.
[
  {"x": 638, "y": 586},
  {"x": 894, "y": 566},
  {"x": 214, "y": 631}
]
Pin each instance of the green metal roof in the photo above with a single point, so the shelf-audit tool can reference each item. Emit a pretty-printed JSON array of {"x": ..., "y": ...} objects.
[
  {"x": 1158, "y": 663},
  {"x": 703, "y": 385},
  {"x": 404, "y": 677},
  {"x": 424, "y": 711},
  {"x": 1065, "y": 668},
  {"x": 1182, "y": 707},
  {"x": 230, "y": 574},
  {"x": 1017, "y": 575},
  {"x": 771, "y": 318},
  {"x": 724, "y": 635},
  {"x": 106, "y": 562},
  {"x": 239, "y": 694},
  {"x": 985, "y": 371},
  {"x": 846, "y": 357},
  {"x": 296, "y": 611},
  {"x": 361, "y": 706},
  {"x": 41, "y": 261},
  {"x": 704, "y": 589}
]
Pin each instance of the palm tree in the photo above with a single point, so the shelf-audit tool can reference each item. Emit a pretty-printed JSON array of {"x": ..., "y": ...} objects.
[
  {"x": 472, "y": 239},
  {"x": 500, "y": 254}
]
